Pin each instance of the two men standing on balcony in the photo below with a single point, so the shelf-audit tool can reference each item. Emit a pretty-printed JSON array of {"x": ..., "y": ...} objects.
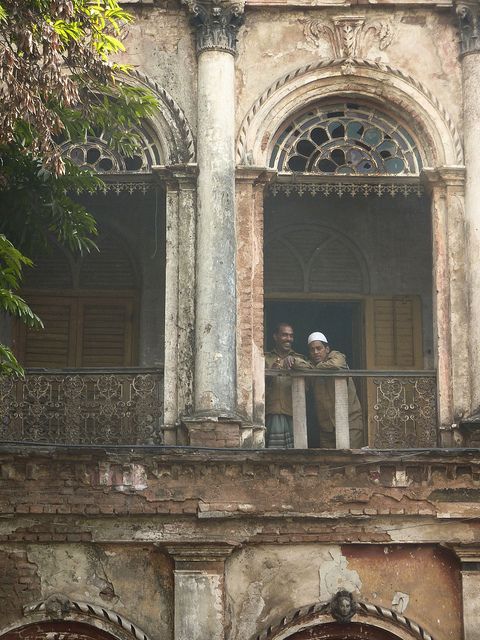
[{"x": 278, "y": 392}]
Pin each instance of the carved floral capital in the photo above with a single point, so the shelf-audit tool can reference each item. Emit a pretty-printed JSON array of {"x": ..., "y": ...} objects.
[
  {"x": 216, "y": 23},
  {"x": 468, "y": 14}
]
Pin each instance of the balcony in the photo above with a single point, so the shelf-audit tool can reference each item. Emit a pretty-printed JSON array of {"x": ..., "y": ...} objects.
[
  {"x": 400, "y": 406},
  {"x": 112, "y": 406}
]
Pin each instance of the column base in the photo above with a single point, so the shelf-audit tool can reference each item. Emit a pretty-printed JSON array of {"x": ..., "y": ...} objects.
[{"x": 216, "y": 431}]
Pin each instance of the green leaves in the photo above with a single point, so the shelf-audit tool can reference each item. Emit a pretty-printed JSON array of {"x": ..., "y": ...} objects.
[{"x": 57, "y": 82}]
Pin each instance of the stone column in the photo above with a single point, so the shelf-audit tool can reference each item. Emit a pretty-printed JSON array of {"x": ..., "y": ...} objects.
[
  {"x": 214, "y": 421},
  {"x": 469, "y": 557},
  {"x": 251, "y": 183},
  {"x": 469, "y": 16},
  {"x": 199, "y": 600},
  {"x": 180, "y": 186},
  {"x": 446, "y": 185}
]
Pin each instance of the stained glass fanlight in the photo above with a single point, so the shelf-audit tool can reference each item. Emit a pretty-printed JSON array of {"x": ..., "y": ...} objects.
[{"x": 345, "y": 139}]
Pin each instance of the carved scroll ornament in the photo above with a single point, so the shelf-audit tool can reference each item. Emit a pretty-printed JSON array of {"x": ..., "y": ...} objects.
[{"x": 350, "y": 36}]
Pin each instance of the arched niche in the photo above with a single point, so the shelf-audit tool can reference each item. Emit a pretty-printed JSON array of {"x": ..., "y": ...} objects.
[
  {"x": 307, "y": 258},
  {"x": 381, "y": 86}
]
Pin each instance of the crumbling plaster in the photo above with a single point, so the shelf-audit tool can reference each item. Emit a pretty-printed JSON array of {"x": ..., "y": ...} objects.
[
  {"x": 136, "y": 582},
  {"x": 265, "y": 582}
]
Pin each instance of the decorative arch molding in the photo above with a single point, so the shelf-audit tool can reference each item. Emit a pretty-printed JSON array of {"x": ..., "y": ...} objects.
[
  {"x": 166, "y": 138},
  {"x": 320, "y": 239},
  {"x": 367, "y": 81},
  {"x": 319, "y": 615},
  {"x": 170, "y": 123},
  {"x": 58, "y": 608}
]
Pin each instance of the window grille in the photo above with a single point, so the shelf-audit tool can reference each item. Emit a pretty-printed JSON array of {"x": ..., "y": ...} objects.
[{"x": 345, "y": 139}]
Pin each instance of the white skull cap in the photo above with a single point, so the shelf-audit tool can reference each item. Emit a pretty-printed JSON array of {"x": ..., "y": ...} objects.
[{"x": 316, "y": 335}]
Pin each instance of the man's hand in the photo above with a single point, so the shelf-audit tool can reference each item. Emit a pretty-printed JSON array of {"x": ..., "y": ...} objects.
[{"x": 288, "y": 362}]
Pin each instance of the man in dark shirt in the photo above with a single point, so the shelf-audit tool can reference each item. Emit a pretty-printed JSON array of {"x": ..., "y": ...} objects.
[{"x": 278, "y": 389}]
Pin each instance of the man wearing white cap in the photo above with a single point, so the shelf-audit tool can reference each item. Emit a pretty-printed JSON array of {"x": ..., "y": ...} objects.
[{"x": 322, "y": 357}]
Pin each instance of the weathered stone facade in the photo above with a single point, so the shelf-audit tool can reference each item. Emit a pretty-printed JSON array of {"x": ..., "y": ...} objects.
[{"x": 201, "y": 533}]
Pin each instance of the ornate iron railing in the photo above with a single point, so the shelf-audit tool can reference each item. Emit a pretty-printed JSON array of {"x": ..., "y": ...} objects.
[
  {"x": 83, "y": 406},
  {"x": 400, "y": 407}
]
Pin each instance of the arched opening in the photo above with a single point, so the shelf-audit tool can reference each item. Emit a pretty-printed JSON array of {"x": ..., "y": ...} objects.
[
  {"x": 67, "y": 630},
  {"x": 348, "y": 252}
]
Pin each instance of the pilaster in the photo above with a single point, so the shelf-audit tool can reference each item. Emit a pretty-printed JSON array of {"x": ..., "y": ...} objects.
[
  {"x": 250, "y": 186},
  {"x": 180, "y": 187},
  {"x": 199, "y": 606},
  {"x": 469, "y": 556},
  {"x": 450, "y": 304}
]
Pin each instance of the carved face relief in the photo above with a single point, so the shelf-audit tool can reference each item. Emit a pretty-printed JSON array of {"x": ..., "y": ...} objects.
[{"x": 342, "y": 606}]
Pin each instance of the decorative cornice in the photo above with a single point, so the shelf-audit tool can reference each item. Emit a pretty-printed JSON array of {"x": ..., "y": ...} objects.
[
  {"x": 340, "y": 188},
  {"x": 216, "y": 23},
  {"x": 468, "y": 14}
]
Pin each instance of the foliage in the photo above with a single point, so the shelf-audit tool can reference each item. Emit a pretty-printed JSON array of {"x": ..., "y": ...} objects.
[{"x": 56, "y": 83}]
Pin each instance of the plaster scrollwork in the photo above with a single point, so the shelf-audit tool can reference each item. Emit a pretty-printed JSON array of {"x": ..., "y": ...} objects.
[
  {"x": 216, "y": 23},
  {"x": 350, "y": 36},
  {"x": 468, "y": 14}
]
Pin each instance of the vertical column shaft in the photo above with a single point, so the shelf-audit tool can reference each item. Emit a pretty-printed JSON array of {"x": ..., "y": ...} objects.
[
  {"x": 471, "y": 111},
  {"x": 216, "y": 294},
  {"x": 468, "y": 12}
]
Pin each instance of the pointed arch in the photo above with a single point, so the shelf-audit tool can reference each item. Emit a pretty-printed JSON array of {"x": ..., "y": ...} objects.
[{"x": 409, "y": 102}]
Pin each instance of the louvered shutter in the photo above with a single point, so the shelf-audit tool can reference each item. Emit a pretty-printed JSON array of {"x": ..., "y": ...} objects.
[
  {"x": 53, "y": 346},
  {"x": 394, "y": 339},
  {"x": 105, "y": 333}
]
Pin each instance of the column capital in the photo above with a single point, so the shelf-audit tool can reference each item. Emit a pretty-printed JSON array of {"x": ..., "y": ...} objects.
[
  {"x": 191, "y": 556},
  {"x": 175, "y": 176},
  {"x": 255, "y": 175},
  {"x": 216, "y": 23},
  {"x": 447, "y": 176},
  {"x": 468, "y": 13},
  {"x": 469, "y": 556}
]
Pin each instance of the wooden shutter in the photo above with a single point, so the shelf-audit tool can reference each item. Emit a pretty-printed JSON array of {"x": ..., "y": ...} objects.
[
  {"x": 79, "y": 332},
  {"x": 394, "y": 333},
  {"x": 53, "y": 346},
  {"x": 105, "y": 333}
]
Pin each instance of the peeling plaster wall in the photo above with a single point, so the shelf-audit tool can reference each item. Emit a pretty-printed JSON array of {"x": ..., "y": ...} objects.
[
  {"x": 135, "y": 582},
  {"x": 265, "y": 582},
  {"x": 160, "y": 45},
  {"x": 273, "y": 43}
]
